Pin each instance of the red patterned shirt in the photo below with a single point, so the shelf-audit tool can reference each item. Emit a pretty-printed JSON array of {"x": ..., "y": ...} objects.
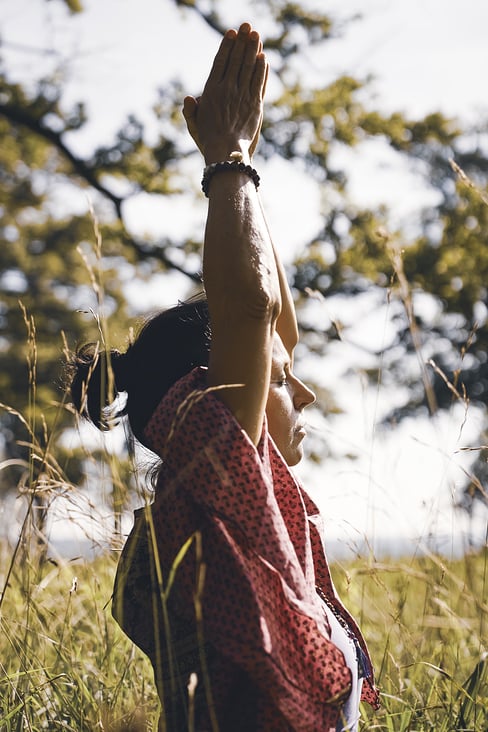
[{"x": 239, "y": 559}]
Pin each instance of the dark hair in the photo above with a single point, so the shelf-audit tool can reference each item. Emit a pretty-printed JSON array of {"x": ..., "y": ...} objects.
[{"x": 168, "y": 346}]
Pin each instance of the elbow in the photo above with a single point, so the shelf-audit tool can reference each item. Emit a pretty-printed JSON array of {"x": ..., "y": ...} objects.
[
  {"x": 263, "y": 305},
  {"x": 251, "y": 298}
]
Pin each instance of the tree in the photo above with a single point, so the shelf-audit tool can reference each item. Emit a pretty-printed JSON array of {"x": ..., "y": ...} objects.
[
  {"x": 447, "y": 260},
  {"x": 62, "y": 274},
  {"x": 41, "y": 241}
]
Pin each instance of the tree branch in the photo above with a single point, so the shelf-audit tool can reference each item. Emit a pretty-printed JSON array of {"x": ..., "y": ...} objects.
[
  {"x": 145, "y": 250},
  {"x": 21, "y": 116}
]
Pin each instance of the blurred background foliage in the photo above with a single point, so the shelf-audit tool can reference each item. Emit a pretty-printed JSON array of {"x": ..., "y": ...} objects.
[{"x": 53, "y": 279}]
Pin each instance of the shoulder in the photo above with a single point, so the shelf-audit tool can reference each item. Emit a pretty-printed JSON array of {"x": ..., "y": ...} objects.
[{"x": 191, "y": 413}]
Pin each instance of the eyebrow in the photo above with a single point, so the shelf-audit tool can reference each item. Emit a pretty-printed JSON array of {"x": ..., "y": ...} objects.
[{"x": 284, "y": 365}]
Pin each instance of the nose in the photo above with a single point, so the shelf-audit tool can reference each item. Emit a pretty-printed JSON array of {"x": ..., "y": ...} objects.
[{"x": 302, "y": 395}]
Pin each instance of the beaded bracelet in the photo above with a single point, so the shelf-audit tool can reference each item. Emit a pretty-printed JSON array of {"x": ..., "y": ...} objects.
[{"x": 235, "y": 164}]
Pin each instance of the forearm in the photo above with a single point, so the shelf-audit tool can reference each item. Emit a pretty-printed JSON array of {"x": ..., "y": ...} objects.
[
  {"x": 239, "y": 264},
  {"x": 239, "y": 260},
  {"x": 243, "y": 293},
  {"x": 243, "y": 249},
  {"x": 286, "y": 324}
]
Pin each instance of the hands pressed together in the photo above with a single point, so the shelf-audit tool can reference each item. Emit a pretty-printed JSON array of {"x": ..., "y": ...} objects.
[{"x": 228, "y": 115}]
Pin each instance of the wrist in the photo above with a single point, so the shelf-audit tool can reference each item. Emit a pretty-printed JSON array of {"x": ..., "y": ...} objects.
[
  {"x": 233, "y": 165},
  {"x": 219, "y": 153}
]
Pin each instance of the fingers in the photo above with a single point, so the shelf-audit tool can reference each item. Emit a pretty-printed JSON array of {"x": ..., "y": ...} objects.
[
  {"x": 190, "y": 114},
  {"x": 221, "y": 60},
  {"x": 259, "y": 77},
  {"x": 242, "y": 56},
  {"x": 249, "y": 60},
  {"x": 190, "y": 108},
  {"x": 236, "y": 57},
  {"x": 265, "y": 82},
  {"x": 229, "y": 113}
]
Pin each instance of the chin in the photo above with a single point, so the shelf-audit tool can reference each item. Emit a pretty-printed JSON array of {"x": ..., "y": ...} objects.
[{"x": 293, "y": 457}]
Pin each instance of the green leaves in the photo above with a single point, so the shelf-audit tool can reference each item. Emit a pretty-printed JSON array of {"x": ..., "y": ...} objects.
[{"x": 306, "y": 124}]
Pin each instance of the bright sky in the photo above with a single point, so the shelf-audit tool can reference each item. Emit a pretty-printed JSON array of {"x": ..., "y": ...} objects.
[{"x": 424, "y": 55}]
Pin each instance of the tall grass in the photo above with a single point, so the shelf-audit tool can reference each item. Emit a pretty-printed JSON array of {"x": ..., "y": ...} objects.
[
  {"x": 64, "y": 663},
  {"x": 425, "y": 621}
]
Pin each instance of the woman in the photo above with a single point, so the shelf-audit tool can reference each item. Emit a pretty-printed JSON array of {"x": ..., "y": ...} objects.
[{"x": 223, "y": 581}]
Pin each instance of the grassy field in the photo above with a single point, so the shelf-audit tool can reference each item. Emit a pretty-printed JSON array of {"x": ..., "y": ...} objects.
[{"x": 64, "y": 664}]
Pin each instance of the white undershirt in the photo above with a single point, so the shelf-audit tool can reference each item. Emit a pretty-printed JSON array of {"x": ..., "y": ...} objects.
[{"x": 350, "y": 715}]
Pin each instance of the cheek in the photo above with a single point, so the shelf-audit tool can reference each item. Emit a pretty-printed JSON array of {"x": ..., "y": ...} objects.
[{"x": 279, "y": 410}]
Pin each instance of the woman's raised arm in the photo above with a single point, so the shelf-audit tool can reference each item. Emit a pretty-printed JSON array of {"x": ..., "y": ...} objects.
[{"x": 239, "y": 266}]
